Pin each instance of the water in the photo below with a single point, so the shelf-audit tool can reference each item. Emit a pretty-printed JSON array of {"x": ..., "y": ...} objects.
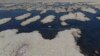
[{"x": 90, "y": 37}]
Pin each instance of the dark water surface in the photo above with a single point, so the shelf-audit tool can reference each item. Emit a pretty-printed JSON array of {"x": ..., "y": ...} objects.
[{"x": 90, "y": 37}]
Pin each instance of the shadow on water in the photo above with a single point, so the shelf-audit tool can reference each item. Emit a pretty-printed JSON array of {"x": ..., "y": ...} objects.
[{"x": 90, "y": 37}]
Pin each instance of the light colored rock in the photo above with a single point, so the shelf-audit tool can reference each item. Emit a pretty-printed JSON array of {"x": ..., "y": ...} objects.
[
  {"x": 33, "y": 1},
  {"x": 29, "y": 9},
  {"x": 4, "y": 20},
  {"x": 98, "y": 18},
  {"x": 48, "y": 19},
  {"x": 9, "y": 4},
  {"x": 49, "y": 26},
  {"x": 64, "y": 23},
  {"x": 81, "y": 17},
  {"x": 63, "y": 45},
  {"x": 97, "y": 7},
  {"x": 59, "y": 10},
  {"x": 68, "y": 16},
  {"x": 43, "y": 11},
  {"x": 90, "y": 10},
  {"x": 74, "y": 16},
  {"x": 70, "y": 9},
  {"x": 76, "y": 32},
  {"x": 30, "y": 20},
  {"x": 21, "y": 17}
]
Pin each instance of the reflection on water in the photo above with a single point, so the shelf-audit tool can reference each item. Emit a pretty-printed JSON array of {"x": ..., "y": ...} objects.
[{"x": 90, "y": 37}]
